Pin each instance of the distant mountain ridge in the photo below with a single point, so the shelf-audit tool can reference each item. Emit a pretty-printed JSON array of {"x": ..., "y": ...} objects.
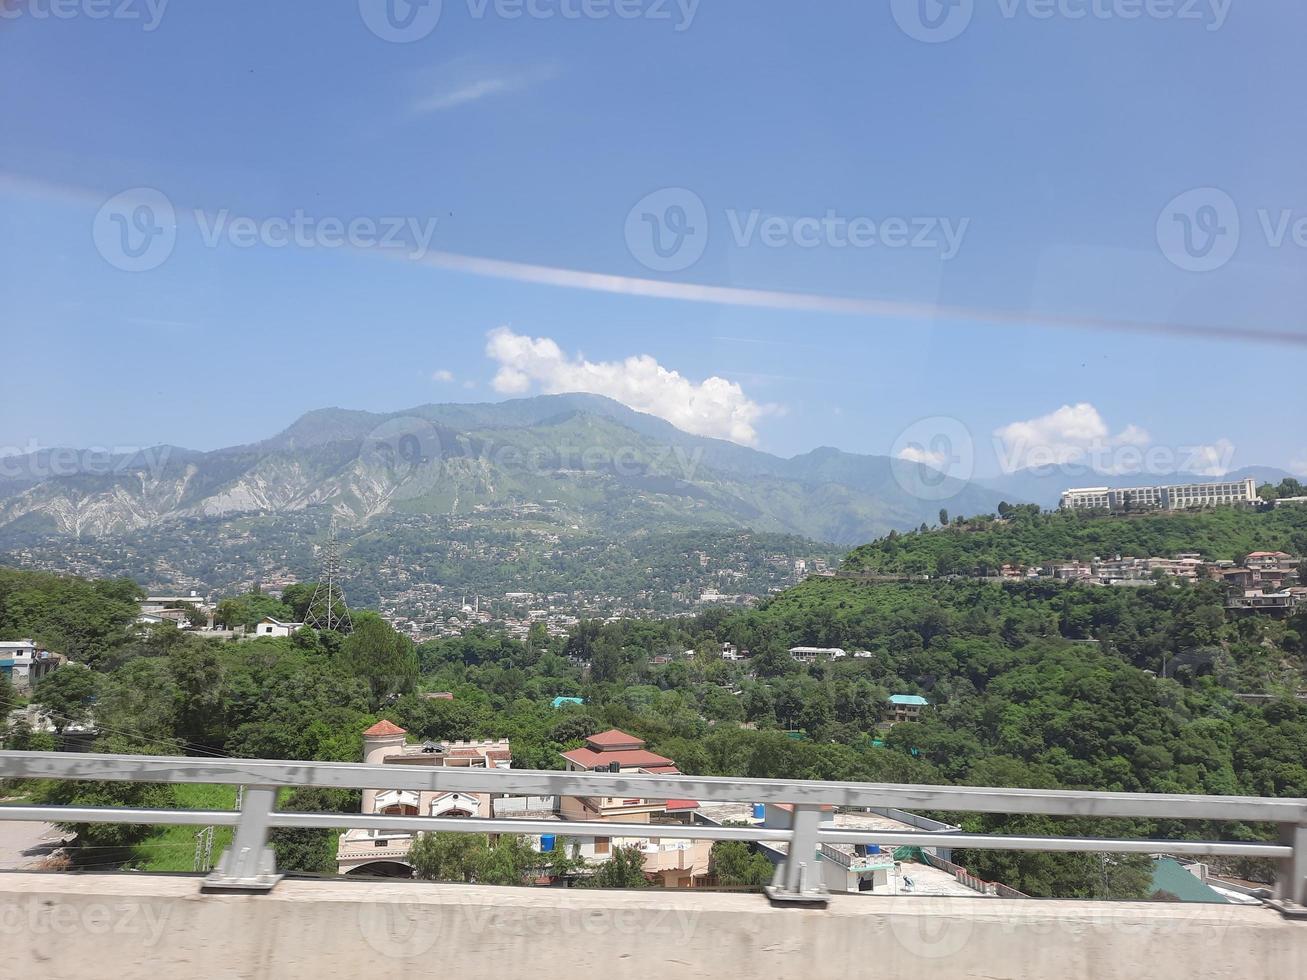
[
  {"x": 598, "y": 464},
  {"x": 587, "y": 462}
]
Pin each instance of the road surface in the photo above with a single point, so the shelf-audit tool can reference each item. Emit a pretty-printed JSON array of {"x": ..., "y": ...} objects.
[{"x": 24, "y": 843}]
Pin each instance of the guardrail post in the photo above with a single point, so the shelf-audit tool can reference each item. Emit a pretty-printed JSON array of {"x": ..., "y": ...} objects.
[
  {"x": 249, "y": 864},
  {"x": 798, "y": 880},
  {"x": 1291, "y": 875}
]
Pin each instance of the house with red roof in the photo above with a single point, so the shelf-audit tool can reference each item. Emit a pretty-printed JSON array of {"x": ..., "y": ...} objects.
[
  {"x": 670, "y": 862},
  {"x": 615, "y": 751}
]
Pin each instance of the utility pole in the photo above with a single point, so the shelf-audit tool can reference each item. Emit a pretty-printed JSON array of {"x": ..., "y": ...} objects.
[{"x": 204, "y": 850}]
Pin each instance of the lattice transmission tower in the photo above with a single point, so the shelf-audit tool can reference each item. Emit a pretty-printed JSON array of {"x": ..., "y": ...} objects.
[{"x": 327, "y": 608}]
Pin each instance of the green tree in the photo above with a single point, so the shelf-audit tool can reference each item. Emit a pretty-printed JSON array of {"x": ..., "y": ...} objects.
[
  {"x": 735, "y": 863},
  {"x": 446, "y": 856},
  {"x": 66, "y": 695},
  {"x": 297, "y": 598},
  {"x": 385, "y": 659},
  {"x": 107, "y": 843},
  {"x": 623, "y": 869},
  {"x": 306, "y": 849}
]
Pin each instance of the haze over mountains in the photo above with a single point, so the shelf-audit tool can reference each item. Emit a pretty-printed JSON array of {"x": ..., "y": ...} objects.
[{"x": 587, "y": 462}]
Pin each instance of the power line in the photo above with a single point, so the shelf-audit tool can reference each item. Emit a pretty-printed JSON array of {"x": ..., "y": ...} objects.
[{"x": 139, "y": 736}]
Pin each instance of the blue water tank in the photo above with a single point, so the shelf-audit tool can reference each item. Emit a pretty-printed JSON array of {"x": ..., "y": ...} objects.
[
  {"x": 873, "y": 848},
  {"x": 547, "y": 843},
  {"x": 760, "y": 811}
]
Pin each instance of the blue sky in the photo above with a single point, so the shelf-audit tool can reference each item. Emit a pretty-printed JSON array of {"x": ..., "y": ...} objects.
[{"x": 1030, "y": 171}]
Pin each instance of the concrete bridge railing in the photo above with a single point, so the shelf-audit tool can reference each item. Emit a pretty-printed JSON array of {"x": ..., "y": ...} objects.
[{"x": 249, "y": 863}]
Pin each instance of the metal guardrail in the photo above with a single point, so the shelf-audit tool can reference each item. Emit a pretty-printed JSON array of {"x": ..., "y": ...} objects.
[{"x": 249, "y": 863}]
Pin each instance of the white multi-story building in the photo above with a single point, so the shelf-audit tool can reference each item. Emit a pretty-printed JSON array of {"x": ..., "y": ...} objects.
[
  {"x": 24, "y": 664},
  {"x": 807, "y": 655},
  {"x": 1171, "y": 497}
]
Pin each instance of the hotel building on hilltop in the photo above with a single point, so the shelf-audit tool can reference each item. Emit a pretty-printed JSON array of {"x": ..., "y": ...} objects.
[{"x": 1173, "y": 497}]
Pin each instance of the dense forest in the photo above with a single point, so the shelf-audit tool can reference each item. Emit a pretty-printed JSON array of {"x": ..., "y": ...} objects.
[{"x": 1036, "y": 684}]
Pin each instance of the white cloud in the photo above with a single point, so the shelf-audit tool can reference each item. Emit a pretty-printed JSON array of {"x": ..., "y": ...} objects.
[
  {"x": 1298, "y": 466},
  {"x": 916, "y": 454},
  {"x": 1073, "y": 433},
  {"x": 451, "y": 95},
  {"x": 1213, "y": 460},
  {"x": 443, "y": 376},
  {"x": 714, "y": 407}
]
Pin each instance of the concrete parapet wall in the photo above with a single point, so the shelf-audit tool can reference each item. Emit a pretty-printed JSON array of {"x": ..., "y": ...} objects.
[{"x": 140, "y": 926}]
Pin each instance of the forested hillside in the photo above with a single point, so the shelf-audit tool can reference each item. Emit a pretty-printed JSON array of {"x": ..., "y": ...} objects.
[
  {"x": 1024, "y": 536},
  {"x": 1039, "y": 684}
]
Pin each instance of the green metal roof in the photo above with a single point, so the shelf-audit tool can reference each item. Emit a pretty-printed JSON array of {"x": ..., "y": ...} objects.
[
  {"x": 1169, "y": 875},
  {"x": 911, "y": 699}
]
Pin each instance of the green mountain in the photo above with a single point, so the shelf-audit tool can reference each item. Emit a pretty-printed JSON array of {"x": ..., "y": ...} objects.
[{"x": 581, "y": 463}]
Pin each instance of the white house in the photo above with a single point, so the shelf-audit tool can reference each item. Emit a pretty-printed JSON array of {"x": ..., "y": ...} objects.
[
  {"x": 157, "y": 603},
  {"x": 268, "y": 626},
  {"x": 24, "y": 664}
]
